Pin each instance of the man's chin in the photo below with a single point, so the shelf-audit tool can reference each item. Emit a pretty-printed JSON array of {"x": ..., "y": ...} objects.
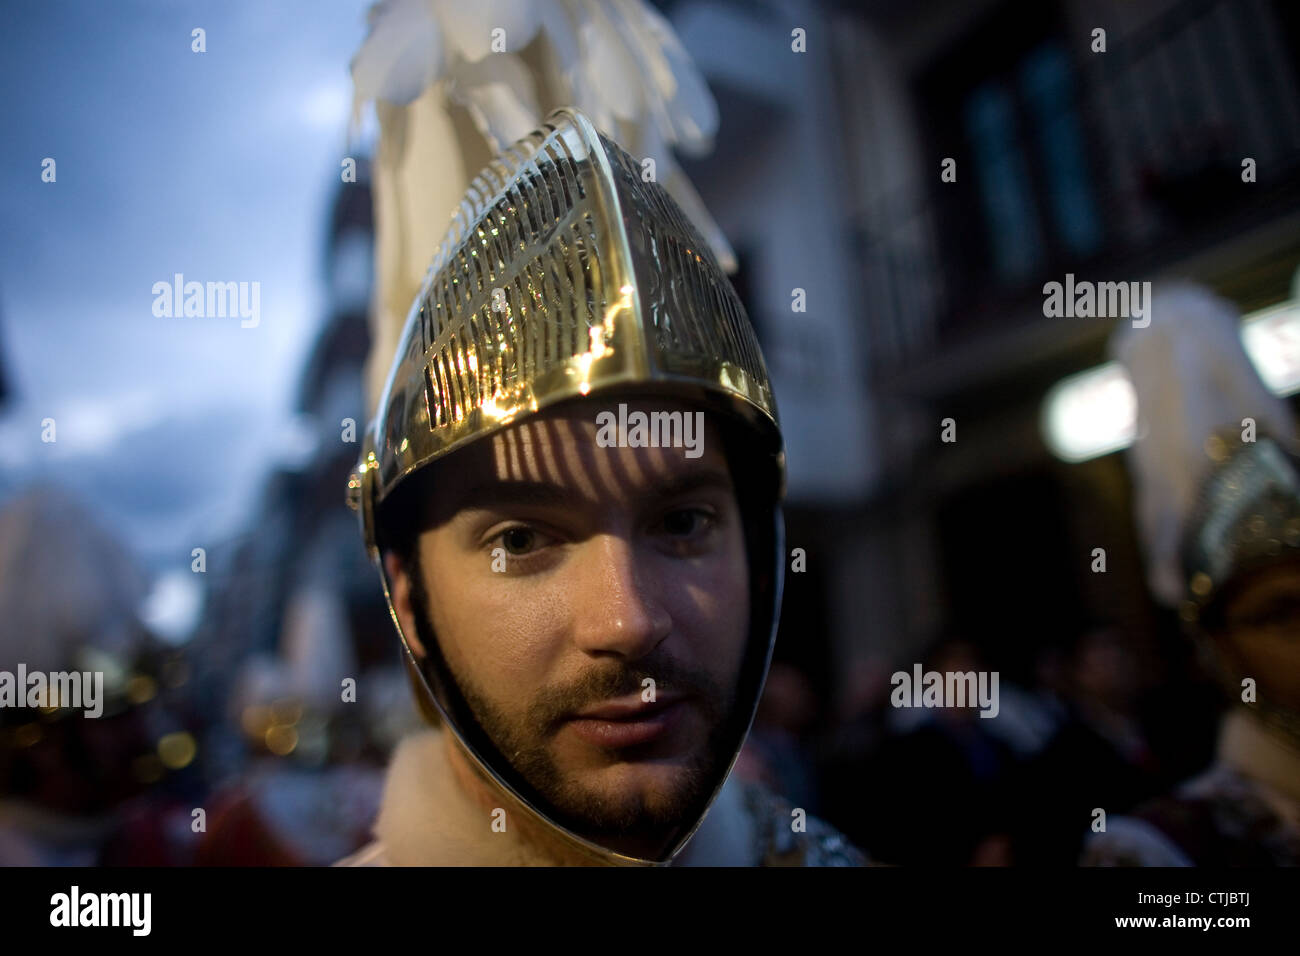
[
  {"x": 655, "y": 785},
  {"x": 641, "y": 799}
]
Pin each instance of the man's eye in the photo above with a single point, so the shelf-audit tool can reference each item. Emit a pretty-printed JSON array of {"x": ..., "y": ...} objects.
[
  {"x": 686, "y": 521},
  {"x": 518, "y": 541},
  {"x": 1283, "y": 614}
]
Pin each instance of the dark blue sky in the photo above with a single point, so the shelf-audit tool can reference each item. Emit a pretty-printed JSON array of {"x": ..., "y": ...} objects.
[{"x": 218, "y": 165}]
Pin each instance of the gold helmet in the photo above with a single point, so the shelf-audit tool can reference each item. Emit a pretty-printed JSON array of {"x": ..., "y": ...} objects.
[
  {"x": 566, "y": 274},
  {"x": 1246, "y": 520}
]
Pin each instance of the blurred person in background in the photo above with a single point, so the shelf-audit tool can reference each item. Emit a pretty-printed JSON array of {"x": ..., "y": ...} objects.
[
  {"x": 1098, "y": 755},
  {"x": 1219, "y": 507},
  {"x": 307, "y": 795},
  {"x": 1243, "y": 607},
  {"x": 776, "y": 751},
  {"x": 844, "y": 761},
  {"x": 940, "y": 793},
  {"x": 116, "y": 789}
]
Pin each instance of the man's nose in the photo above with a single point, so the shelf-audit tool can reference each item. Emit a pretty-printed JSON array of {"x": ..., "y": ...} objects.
[{"x": 617, "y": 606}]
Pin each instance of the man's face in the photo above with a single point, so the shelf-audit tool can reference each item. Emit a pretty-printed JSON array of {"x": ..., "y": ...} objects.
[
  {"x": 1262, "y": 630},
  {"x": 561, "y": 577}
]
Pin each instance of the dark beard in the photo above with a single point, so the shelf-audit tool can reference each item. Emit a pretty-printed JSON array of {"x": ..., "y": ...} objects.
[{"x": 522, "y": 744}]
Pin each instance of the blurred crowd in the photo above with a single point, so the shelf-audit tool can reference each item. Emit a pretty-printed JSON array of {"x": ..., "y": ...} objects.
[{"x": 258, "y": 733}]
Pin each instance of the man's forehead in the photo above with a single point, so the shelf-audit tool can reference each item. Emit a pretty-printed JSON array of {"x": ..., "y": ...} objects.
[{"x": 597, "y": 448}]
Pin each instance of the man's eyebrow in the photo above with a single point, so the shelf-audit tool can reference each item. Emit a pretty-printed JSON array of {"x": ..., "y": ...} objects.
[
  {"x": 498, "y": 493},
  {"x": 687, "y": 482},
  {"x": 548, "y": 494}
]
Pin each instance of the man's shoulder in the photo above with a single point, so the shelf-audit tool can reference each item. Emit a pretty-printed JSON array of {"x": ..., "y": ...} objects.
[{"x": 789, "y": 836}]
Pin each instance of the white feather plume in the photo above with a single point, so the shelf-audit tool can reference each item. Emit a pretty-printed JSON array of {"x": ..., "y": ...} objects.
[
  {"x": 619, "y": 61},
  {"x": 1192, "y": 378},
  {"x": 401, "y": 57}
]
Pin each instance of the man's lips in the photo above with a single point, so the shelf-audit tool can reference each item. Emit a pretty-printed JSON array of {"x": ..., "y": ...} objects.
[
  {"x": 627, "y": 721},
  {"x": 631, "y": 707}
]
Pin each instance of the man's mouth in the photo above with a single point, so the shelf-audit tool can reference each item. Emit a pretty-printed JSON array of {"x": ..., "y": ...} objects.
[{"x": 627, "y": 721}]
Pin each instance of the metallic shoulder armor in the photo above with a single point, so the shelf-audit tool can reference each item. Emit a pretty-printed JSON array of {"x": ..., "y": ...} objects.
[{"x": 779, "y": 844}]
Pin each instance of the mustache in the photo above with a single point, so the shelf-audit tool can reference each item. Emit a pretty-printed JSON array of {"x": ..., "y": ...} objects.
[{"x": 553, "y": 705}]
